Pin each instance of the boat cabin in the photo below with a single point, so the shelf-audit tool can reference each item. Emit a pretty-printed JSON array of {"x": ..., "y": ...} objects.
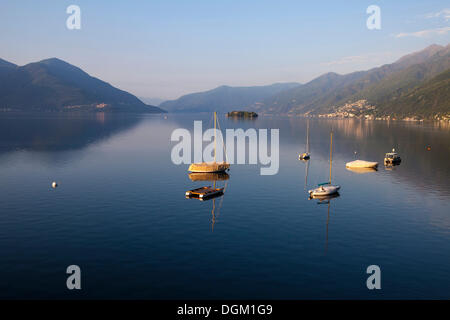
[{"x": 392, "y": 157}]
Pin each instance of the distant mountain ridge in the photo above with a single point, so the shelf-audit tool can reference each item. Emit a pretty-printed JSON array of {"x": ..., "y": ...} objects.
[
  {"x": 382, "y": 87},
  {"x": 55, "y": 85},
  {"x": 416, "y": 85},
  {"x": 225, "y": 98},
  {"x": 387, "y": 91}
]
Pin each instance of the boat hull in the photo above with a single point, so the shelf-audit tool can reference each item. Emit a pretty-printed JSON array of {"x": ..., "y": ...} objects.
[
  {"x": 361, "y": 170},
  {"x": 209, "y": 167},
  {"x": 361, "y": 164},
  {"x": 304, "y": 156},
  {"x": 389, "y": 161},
  {"x": 324, "y": 191}
]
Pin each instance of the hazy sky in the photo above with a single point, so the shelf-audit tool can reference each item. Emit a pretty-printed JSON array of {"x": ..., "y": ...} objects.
[{"x": 168, "y": 48}]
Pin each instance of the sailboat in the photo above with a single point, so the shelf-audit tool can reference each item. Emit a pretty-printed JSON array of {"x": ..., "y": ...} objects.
[
  {"x": 211, "y": 166},
  {"x": 305, "y": 155},
  {"x": 325, "y": 189}
]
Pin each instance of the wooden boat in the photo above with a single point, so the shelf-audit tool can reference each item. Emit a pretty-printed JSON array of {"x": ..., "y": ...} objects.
[
  {"x": 325, "y": 189},
  {"x": 204, "y": 176},
  {"x": 211, "y": 166},
  {"x": 208, "y": 193},
  {"x": 305, "y": 155},
  {"x": 361, "y": 164},
  {"x": 204, "y": 193}
]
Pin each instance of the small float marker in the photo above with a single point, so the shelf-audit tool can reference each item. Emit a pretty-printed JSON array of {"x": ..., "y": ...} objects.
[{"x": 54, "y": 184}]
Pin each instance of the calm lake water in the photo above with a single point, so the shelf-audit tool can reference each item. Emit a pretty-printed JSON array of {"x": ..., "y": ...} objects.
[{"x": 120, "y": 212}]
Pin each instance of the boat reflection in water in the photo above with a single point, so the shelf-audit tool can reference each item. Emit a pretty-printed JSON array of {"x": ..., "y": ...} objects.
[
  {"x": 209, "y": 193},
  {"x": 391, "y": 166},
  {"x": 326, "y": 200},
  {"x": 361, "y": 170},
  {"x": 215, "y": 176}
]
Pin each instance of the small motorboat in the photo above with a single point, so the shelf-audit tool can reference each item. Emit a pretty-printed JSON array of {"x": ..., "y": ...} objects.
[
  {"x": 304, "y": 156},
  {"x": 361, "y": 164},
  {"x": 392, "y": 158}
]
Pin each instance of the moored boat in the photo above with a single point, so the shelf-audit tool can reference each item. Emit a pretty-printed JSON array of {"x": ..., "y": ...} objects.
[
  {"x": 326, "y": 189},
  {"x": 361, "y": 164},
  {"x": 391, "y": 158},
  {"x": 213, "y": 166}
]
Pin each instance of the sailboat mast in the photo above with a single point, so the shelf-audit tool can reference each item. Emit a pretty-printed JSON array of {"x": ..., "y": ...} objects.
[
  {"x": 331, "y": 152},
  {"x": 307, "y": 136},
  {"x": 215, "y": 135}
]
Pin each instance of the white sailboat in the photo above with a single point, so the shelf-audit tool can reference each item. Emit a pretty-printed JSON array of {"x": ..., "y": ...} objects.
[
  {"x": 326, "y": 189},
  {"x": 213, "y": 166},
  {"x": 305, "y": 155}
]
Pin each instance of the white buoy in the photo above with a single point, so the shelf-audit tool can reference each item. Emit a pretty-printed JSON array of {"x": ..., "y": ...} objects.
[{"x": 54, "y": 184}]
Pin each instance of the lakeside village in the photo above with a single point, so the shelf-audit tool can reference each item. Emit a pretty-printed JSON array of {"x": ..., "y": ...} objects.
[{"x": 361, "y": 109}]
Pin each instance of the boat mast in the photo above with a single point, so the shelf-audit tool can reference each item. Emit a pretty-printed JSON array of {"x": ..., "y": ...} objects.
[
  {"x": 307, "y": 137},
  {"x": 215, "y": 136},
  {"x": 213, "y": 219},
  {"x": 331, "y": 151},
  {"x": 306, "y": 174}
]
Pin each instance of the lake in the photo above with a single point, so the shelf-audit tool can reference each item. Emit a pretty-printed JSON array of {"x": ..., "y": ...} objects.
[{"x": 120, "y": 212}]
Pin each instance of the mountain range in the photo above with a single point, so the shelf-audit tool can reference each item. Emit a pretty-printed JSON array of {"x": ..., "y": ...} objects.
[
  {"x": 415, "y": 85},
  {"x": 55, "y": 85},
  {"x": 225, "y": 98}
]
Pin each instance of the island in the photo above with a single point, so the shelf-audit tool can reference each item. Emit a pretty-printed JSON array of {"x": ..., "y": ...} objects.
[{"x": 242, "y": 114}]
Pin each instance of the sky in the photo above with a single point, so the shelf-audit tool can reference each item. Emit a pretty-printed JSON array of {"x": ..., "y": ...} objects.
[{"x": 166, "y": 48}]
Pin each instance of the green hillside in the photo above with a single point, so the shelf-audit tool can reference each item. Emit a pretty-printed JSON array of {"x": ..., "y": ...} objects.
[
  {"x": 427, "y": 100},
  {"x": 379, "y": 86}
]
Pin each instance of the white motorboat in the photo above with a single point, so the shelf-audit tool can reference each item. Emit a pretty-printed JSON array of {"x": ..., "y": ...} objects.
[{"x": 361, "y": 164}]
